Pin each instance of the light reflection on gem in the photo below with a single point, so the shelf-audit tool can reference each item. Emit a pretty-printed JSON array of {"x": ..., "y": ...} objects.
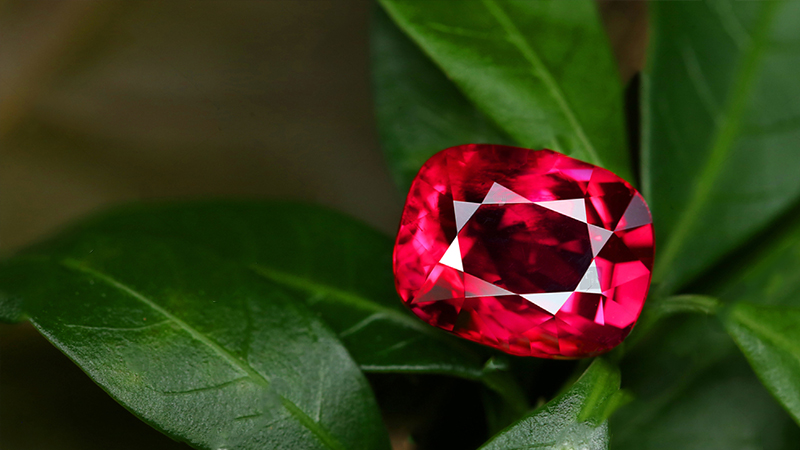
[{"x": 530, "y": 252}]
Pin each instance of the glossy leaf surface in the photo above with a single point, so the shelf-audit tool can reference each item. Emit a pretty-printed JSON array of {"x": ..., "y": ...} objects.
[
  {"x": 419, "y": 110},
  {"x": 542, "y": 71},
  {"x": 764, "y": 289},
  {"x": 769, "y": 337},
  {"x": 694, "y": 391},
  {"x": 342, "y": 267},
  {"x": 574, "y": 419},
  {"x": 338, "y": 266},
  {"x": 721, "y": 128},
  {"x": 196, "y": 346}
]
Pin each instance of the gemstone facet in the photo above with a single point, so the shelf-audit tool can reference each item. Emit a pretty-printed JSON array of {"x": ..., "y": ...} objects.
[{"x": 531, "y": 252}]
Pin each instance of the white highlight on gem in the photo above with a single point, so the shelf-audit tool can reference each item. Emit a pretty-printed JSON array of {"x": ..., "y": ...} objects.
[
  {"x": 575, "y": 208},
  {"x": 549, "y": 301},
  {"x": 499, "y": 195},
  {"x": 636, "y": 215},
  {"x": 590, "y": 283},
  {"x": 452, "y": 257},
  {"x": 464, "y": 210},
  {"x": 598, "y": 236},
  {"x": 475, "y": 287}
]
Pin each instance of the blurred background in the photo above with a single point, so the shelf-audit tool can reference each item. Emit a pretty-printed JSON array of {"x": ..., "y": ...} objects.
[{"x": 103, "y": 102}]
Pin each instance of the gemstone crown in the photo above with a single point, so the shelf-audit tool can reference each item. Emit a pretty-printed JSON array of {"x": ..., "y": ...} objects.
[{"x": 530, "y": 252}]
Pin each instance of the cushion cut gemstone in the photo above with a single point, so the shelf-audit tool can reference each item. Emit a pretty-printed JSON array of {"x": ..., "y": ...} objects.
[{"x": 531, "y": 252}]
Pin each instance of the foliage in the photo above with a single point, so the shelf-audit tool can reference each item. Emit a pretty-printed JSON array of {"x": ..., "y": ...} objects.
[
  {"x": 574, "y": 419},
  {"x": 254, "y": 325}
]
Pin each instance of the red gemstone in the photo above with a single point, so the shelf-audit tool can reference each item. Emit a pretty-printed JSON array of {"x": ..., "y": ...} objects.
[{"x": 531, "y": 252}]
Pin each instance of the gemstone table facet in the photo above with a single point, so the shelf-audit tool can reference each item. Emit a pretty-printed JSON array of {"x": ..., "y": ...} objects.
[{"x": 531, "y": 252}]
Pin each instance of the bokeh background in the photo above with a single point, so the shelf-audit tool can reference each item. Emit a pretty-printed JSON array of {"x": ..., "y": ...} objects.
[{"x": 105, "y": 101}]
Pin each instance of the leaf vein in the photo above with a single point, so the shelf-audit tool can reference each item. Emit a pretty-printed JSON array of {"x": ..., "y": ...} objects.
[
  {"x": 692, "y": 65},
  {"x": 516, "y": 38},
  {"x": 216, "y": 348},
  {"x": 723, "y": 143},
  {"x": 731, "y": 24},
  {"x": 206, "y": 388},
  {"x": 93, "y": 327},
  {"x": 353, "y": 300},
  {"x": 363, "y": 323},
  {"x": 399, "y": 345},
  {"x": 457, "y": 31},
  {"x": 315, "y": 428}
]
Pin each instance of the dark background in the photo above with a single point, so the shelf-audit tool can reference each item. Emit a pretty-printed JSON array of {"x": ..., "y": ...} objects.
[{"x": 103, "y": 102}]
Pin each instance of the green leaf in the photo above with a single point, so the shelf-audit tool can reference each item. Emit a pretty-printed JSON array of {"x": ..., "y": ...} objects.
[
  {"x": 574, "y": 419},
  {"x": 694, "y": 391},
  {"x": 769, "y": 336},
  {"x": 10, "y": 308},
  {"x": 765, "y": 327},
  {"x": 341, "y": 267},
  {"x": 419, "y": 110},
  {"x": 768, "y": 274},
  {"x": 338, "y": 266},
  {"x": 196, "y": 346},
  {"x": 721, "y": 128},
  {"x": 542, "y": 71}
]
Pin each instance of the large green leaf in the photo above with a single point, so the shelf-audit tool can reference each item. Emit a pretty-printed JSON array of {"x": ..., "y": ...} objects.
[
  {"x": 766, "y": 326},
  {"x": 574, "y": 419},
  {"x": 721, "y": 128},
  {"x": 197, "y": 346},
  {"x": 338, "y": 266},
  {"x": 769, "y": 272},
  {"x": 542, "y": 71},
  {"x": 694, "y": 391},
  {"x": 342, "y": 268},
  {"x": 419, "y": 110},
  {"x": 770, "y": 338}
]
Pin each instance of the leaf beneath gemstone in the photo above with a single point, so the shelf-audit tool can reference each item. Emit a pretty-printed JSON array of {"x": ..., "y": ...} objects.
[
  {"x": 338, "y": 266},
  {"x": 694, "y": 391},
  {"x": 334, "y": 265},
  {"x": 575, "y": 419}
]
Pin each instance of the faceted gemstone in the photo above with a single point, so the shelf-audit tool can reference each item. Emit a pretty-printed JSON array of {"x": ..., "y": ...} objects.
[{"x": 531, "y": 252}]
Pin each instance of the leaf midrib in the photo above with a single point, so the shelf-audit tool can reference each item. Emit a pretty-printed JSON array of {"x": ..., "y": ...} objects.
[
  {"x": 315, "y": 428},
  {"x": 306, "y": 285},
  {"x": 316, "y": 288},
  {"x": 722, "y": 143},
  {"x": 516, "y": 38}
]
